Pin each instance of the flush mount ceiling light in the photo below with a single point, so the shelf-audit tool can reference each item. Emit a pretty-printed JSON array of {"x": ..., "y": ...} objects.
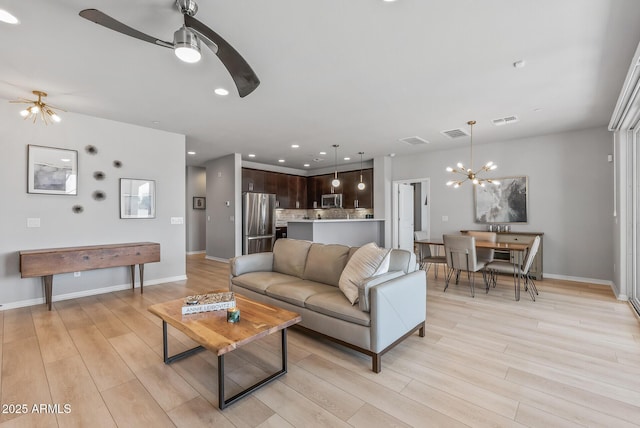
[
  {"x": 361, "y": 185},
  {"x": 39, "y": 109},
  {"x": 335, "y": 182},
  {"x": 468, "y": 173}
]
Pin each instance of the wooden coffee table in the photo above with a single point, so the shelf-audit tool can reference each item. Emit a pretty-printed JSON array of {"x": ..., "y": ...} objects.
[{"x": 212, "y": 331}]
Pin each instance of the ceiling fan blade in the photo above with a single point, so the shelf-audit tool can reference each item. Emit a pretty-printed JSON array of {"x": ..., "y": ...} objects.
[
  {"x": 105, "y": 20},
  {"x": 245, "y": 79}
]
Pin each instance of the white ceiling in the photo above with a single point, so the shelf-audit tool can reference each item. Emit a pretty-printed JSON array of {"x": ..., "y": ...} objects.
[{"x": 358, "y": 73}]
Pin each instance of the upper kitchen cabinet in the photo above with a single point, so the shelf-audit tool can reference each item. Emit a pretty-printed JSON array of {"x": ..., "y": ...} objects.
[{"x": 252, "y": 180}]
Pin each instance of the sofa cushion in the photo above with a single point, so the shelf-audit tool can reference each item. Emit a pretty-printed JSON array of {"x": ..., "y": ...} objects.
[
  {"x": 290, "y": 256},
  {"x": 325, "y": 263},
  {"x": 335, "y": 304},
  {"x": 370, "y": 260},
  {"x": 298, "y": 291},
  {"x": 260, "y": 281}
]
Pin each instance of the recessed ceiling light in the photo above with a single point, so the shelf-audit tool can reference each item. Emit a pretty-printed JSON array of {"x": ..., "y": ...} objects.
[
  {"x": 7, "y": 17},
  {"x": 251, "y": 155},
  {"x": 347, "y": 158},
  {"x": 65, "y": 160},
  {"x": 221, "y": 91},
  {"x": 306, "y": 165},
  {"x": 295, "y": 146},
  {"x": 155, "y": 122},
  {"x": 388, "y": 1},
  {"x": 191, "y": 153},
  {"x": 323, "y": 153},
  {"x": 281, "y": 160}
]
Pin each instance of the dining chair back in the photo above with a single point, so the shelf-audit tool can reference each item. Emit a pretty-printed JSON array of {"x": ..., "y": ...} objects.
[
  {"x": 425, "y": 257},
  {"x": 460, "y": 252},
  {"x": 484, "y": 254}
]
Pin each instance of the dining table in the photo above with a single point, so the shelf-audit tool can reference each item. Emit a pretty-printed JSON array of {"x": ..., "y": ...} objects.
[{"x": 519, "y": 249}]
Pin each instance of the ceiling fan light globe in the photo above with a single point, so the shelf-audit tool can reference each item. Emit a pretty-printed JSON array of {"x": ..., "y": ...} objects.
[{"x": 186, "y": 45}]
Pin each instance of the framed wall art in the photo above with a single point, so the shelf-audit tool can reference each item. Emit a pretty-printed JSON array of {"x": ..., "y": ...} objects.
[
  {"x": 199, "y": 203},
  {"x": 137, "y": 198},
  {"x": 52, "y": 171},
  {"x": 506, "y": 202}
]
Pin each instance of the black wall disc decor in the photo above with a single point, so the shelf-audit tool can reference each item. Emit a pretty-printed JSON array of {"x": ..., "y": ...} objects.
[
  {"x": 92, "y": 150},
  {"x": 117, "y": 163},
  {"x": 99, "y": 195},
  {"x": 77, "y": 209},
  {"x": 99, "y": 175}
]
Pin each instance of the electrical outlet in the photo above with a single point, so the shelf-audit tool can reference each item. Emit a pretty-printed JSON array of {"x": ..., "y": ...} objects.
[
  {"x": 33, "y": 222},
  {"x": 445, "y": 218},
  {"x": 77, "y": 274}
]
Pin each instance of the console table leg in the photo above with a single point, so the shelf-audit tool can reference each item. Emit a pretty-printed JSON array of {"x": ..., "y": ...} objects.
[
  {"x": 141, "y": 267},
  {"x": 132, "y": 268},
  {"x": 48, "y": 289}
]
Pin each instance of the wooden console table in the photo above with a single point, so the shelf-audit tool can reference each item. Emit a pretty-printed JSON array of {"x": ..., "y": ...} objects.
[{"x": 51, "y": 261}]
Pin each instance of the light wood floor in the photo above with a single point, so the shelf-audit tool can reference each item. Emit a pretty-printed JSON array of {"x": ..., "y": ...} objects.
[{"x": 572, "y": 358}]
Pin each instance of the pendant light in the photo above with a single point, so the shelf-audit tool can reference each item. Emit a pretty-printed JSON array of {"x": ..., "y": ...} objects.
[
  {"x": 468, "y": 173},
  {"x": 335, "y": 182},
  {"x": 39, "y": 109},
  {"x": 361, "y": 185}
]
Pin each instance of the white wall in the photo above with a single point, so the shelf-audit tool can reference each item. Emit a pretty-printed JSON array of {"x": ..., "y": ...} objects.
[
  {"x": 570, "y": 195},
  {"x": 144, "y": 153},
  {"x": 196, "y": 220}
]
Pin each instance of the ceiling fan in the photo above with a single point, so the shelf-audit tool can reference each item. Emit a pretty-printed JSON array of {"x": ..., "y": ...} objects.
[{"x": 186, "y": 43}]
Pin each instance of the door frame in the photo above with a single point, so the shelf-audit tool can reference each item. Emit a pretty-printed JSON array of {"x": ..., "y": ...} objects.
[{"x": 426, "y": 211}]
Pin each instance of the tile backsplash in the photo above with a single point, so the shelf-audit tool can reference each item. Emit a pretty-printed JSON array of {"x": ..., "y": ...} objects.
[{"x": 284, "y": 215}]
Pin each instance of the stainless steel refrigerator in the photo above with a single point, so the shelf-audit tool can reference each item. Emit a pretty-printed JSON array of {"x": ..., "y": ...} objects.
[{"x": 259, "y": 222}]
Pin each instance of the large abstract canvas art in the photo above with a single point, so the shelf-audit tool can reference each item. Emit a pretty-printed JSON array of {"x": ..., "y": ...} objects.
[{"x": 507, "y": 202}]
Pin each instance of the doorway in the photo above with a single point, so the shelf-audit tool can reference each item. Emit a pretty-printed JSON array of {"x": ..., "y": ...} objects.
[{"x": 411, "y": 211}]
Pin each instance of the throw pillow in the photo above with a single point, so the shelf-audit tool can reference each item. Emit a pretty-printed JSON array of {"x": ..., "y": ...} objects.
[{"x": 369, "y": 260}]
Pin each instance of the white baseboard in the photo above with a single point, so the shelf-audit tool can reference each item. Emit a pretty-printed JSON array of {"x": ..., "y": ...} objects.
[
  {"x": 578, "y": 279},
  {"x": 86, "y": 293},
  {"x": 191, "y": 253},
  {"x": 217, "y": 259}
]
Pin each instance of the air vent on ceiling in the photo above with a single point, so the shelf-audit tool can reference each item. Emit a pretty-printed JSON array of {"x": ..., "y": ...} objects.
[
  {"x": 414, "y": 141},
  {"x": 505, "y": 120},
  {"x": 318, "y": 159},
  {"x": 455, "y": 133}
]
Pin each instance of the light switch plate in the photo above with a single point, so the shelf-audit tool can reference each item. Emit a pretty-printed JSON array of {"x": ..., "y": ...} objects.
[
  {"x": 33, "y": 222},
  {"x": 177, "y": 220},
  {"x": 445, "y": 218}
]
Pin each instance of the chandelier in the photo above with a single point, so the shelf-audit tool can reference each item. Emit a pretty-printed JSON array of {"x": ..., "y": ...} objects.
[
  {"x": 39, "y": 109},
  {"x": 468, "y": 173}
]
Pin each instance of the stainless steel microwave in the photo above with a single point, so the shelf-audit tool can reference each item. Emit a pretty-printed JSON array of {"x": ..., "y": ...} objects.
[{"x": 333, "y": 200}]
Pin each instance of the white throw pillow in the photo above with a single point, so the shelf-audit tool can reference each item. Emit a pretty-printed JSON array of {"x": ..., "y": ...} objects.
[{"x": 368, "y": 260}]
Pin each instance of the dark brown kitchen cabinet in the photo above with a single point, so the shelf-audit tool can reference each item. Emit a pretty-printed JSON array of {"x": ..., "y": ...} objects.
[
  {"x": 298, "y": 192},
  {"x": 271, "y": 182},
  {"x": 282, "y": 191},
  {"x": 365, "y": 196},
  {"x": 252, "y": 180}
]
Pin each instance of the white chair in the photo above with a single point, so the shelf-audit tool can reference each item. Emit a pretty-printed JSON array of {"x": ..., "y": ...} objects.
[
  {"x": 460, "y": 251},
  {"x": 484, "y": 254},
  {"x": 424, "y": 255},
  {"x": 507, "y": 267}
]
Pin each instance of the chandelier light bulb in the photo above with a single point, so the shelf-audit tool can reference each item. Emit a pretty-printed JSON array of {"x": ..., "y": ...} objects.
[
  {"x": 460, "y": 165},
  {"x": 449, "y": 169},
  {"x": 24, "y": 113},
  {"x": 55, "y": 117}
]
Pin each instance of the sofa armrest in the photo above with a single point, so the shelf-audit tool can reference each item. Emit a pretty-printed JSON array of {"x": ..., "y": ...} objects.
[
  {"x": 397, "y": 306},
  {"x": 364, "y": 287},
  {"x": 257, "y": 262}
]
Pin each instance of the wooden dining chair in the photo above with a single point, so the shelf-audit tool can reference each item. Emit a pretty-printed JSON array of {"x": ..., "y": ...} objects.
[
  {"x": 496, "y": 267},
  {"x": 460, "y": 251}
]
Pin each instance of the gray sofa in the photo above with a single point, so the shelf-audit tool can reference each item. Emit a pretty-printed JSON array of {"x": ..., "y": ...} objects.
[{"x": 303, "y": 277}]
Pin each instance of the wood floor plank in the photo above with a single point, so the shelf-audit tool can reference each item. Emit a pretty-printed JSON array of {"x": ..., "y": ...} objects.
[
  {"x": 368, "y": 416},
  {"x": 166, "y": 386},
  {"x": 24, "y": 380},
  {"x": 18, "y": 324},
  {"x": 54, "y": 339},
  {"x": 131, "y": 405},
  {"x": 104, "y": 363},
  {"x": 71, "y": 385},
  {"x": 198, "y": 412},
  {"x": 135, "y": 353}
]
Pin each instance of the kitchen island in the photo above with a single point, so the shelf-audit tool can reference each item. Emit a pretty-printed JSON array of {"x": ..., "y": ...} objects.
[{"x": 352, "y": 232}]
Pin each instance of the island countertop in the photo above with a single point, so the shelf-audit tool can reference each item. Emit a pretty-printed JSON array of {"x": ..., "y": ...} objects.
[{"x": 353, "y": 231}]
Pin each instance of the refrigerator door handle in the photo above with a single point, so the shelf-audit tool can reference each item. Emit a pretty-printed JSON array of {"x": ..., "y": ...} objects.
[{"x": 259, "y": 237}]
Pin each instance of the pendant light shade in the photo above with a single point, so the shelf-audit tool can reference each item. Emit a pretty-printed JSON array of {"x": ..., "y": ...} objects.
[
  {"x": 361, "y": 185},
  {"x": 335, "y": 182}
]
